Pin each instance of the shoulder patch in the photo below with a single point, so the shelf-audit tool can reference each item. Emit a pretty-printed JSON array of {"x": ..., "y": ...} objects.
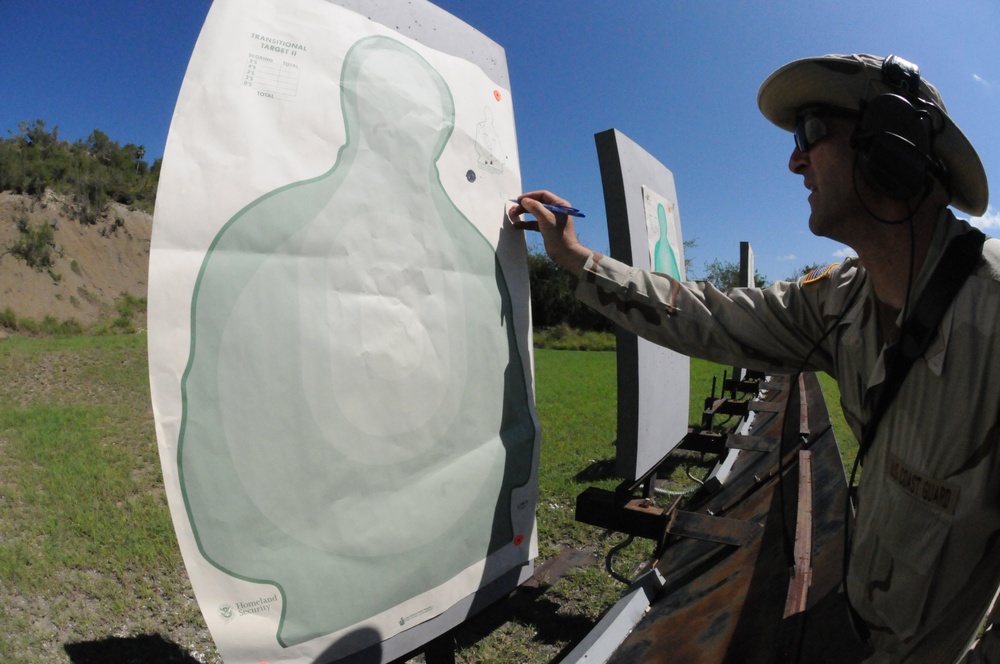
[{"x": 818, "y": 273}]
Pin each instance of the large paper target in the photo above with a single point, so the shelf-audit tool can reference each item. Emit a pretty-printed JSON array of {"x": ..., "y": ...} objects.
[{"x": 349, "y": 441}]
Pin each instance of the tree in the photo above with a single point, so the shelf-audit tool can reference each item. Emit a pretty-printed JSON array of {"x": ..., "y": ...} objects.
[
  {"x": 688, "y": 259},
  {"x": 101, "y": 146},
  {"x": 552, "y": 299},
  {"x": 91, "y": 173},
  {"x": 36, "y": 134},
  {"x": 138, "y": 152},
  {"x": 726, "y": 274}
]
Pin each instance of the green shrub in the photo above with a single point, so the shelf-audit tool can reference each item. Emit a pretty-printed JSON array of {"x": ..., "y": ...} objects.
[
  {"x": 50, "y": 326},
  {"x": 8, "y": 319},
  {"x": 68, "y": 327},
  {"x": 564, "y": 337},
  {"x": 552, "y": 299},
  {"x": 128, "y": 306},
  {"x": 123, "y": 325},
  {"x": 34, "y": 244}
]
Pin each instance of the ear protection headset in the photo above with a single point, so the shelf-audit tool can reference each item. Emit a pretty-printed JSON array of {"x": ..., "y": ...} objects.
[{"x": 895, "y": 134}]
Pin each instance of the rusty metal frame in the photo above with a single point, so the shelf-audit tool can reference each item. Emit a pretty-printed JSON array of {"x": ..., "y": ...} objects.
[
  {"x": 630, "y": 507},
  {"x": 774, "y": 594}
]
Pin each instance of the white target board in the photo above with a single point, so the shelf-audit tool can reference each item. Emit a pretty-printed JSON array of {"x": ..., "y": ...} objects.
[
  {"x": 644, "y": 231},
  {"x": 340, "y": 355}
]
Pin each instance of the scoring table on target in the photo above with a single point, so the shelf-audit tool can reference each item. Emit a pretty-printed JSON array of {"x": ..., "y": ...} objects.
[{"x": 270, "y": 78}]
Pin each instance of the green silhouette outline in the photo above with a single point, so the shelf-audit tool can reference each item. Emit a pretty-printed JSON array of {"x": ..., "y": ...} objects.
[{"x": 239, "y": 253}]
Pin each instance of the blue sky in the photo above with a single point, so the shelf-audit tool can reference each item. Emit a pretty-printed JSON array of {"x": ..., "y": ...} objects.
[{"x": 679, "y": 78}]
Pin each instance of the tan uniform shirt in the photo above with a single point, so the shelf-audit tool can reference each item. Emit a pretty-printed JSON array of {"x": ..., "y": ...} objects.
[{"x": 925, "y": 561}]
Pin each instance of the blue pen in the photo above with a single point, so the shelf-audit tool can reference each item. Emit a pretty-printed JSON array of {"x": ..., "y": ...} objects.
[{"x": 558, "y": 209}]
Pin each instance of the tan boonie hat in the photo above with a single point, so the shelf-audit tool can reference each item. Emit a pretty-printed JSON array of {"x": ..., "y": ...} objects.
[{"x": 842, "y": 81}]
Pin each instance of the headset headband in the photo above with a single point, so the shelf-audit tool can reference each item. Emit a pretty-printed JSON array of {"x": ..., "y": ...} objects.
[{"x": 902, "y": 75}]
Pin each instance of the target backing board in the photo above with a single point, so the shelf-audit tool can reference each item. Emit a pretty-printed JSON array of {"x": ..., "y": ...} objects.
[{"x": 644, "y": 231}]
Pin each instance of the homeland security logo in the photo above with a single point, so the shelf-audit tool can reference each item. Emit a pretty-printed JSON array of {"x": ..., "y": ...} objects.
[
  {"x": 260, "y": 605},
  {"x": 226, "y": 612},
  {"x": 405, "y": 619}
]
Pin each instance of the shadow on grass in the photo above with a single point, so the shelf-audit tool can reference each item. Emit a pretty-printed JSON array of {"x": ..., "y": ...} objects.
[
  {"x": 147, "y": 649},
  {"x": 527, "y": 605},
  {"x": 603, "y": 469}
]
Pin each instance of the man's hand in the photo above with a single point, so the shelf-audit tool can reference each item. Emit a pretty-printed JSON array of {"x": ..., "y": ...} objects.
[{"x": 558, "y": 232}]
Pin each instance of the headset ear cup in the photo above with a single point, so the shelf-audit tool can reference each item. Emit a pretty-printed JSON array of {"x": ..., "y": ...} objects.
[{"x": 893, "y": 140}]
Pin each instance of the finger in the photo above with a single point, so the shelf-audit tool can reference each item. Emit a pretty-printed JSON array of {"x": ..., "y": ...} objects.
[
  {"x": 514, "y": 217},
  {"x": 525, "y": 225},
  {"x": 532, "y": 206},
  {"x": 543, "y": 196}
]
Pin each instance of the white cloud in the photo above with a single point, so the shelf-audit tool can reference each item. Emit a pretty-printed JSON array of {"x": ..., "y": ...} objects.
[
  {"x": 982, "y": 81},
  {"x": 845, "y": 252},
  {"x": 989, "y": 221},
  {"x": 788, "y": 257}
]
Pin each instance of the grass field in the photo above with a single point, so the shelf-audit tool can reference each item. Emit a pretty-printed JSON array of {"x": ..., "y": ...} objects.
[{"x": 89, "y": 566}]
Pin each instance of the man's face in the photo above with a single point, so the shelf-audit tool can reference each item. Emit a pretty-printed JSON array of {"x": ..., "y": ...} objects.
[{"x": 827, "y": 167}]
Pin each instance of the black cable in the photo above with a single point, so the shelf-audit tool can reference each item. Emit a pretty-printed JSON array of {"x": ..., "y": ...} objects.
[
  {"x": 611, "y": 554},
  {"x": 788, "y": 541},
  {"x": 859, "y": 457},
  {"x": 787, "y": 537}
]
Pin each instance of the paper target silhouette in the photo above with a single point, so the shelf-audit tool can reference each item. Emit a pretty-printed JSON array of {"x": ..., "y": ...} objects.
[
  {"x": 356, "y": 417},
  {"x": 664, "y": 258}
]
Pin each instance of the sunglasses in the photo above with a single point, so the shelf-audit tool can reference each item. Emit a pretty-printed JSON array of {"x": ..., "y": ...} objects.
[{"x": 808, "y": 130}]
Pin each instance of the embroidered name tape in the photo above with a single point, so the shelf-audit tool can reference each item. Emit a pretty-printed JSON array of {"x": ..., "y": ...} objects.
[{"x": 928, "y": 490}]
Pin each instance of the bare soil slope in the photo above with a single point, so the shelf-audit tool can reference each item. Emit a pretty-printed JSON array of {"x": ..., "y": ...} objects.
[{"x": 91, "y": 264}]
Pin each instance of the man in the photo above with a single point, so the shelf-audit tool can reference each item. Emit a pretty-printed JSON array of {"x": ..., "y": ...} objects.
[{"x": 882, "y": 161}]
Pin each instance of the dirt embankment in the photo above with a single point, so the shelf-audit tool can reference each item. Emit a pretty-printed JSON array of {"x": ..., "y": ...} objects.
[{"x": 92, "y": 265}]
